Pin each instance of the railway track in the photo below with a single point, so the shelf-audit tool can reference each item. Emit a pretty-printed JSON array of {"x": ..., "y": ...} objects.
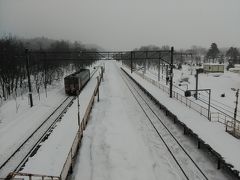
[
  {"x": 20, "y": 155},
  {"x": 94, "y": 71},
  {"x": 18, "y": 158},
  {"x": 219, "y": 106},
  {"x": 184, "y": 161}
]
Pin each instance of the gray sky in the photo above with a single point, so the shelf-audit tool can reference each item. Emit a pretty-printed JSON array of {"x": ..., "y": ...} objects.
[{"x": 125, "y": 24}]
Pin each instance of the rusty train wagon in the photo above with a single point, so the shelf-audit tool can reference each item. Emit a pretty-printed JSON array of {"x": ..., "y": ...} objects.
[{"x": 76, "y": 81}]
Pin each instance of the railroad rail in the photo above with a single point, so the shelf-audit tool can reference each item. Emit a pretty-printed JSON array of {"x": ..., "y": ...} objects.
[
  {"x": 184, "y": 161},
  {"x": 70, "y": 160},
  {"x": 219, "y": 116},
  {"x": 18, "y": 157},
  {"x": 68, "y": 165},
  {"x": 221, "y": 163}
]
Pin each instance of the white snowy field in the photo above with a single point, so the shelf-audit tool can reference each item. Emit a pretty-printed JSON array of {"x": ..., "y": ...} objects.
[
  {"x": 15, "y": 128},
  {"x": 212, "y": 133},
  {"x": 120, "y": 143},
  {"x": 117, "y": 143},
  {"x": 114, "y": 145},
  {"x": 219, "y": 83},
  {"x": 18, "y": 120},
  {"x": 53, "y": 152}
]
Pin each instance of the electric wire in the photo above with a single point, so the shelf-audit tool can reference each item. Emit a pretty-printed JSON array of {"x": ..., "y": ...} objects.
[{"x": 167, "y": 130}]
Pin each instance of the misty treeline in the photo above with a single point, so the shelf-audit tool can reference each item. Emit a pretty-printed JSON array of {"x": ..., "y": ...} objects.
[
  {"x": 214, "y": 54},
  {"x": 155, "y": 59},
  {"x": 49, "y": 60},
  {"x": 196, "y": 55}
]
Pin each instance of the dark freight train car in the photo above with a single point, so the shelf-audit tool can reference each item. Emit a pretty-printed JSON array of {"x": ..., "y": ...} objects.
[{"x": 76, "y": 81}]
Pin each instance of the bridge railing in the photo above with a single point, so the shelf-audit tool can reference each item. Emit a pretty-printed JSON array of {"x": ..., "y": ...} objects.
[
  {"x": 19, "y": 175},
  {"x": 70, "y": 160},
  {"x": 189, "y": 103},
  {"x": 233, "y": 129},
  {"x": 232, "y": 126},
  {"x": 71, "y": 157}
]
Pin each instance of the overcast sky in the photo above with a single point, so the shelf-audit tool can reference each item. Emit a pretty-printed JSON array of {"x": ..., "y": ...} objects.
[{"x": 125, "y": 24}]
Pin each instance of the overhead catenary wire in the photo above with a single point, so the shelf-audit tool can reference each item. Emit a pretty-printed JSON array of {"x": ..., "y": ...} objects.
[
  {"x": 167, "y": 131},
  {"x": 205, "y": 102},
  {"x": 213, "y": 105},
  {"x": 227, "y": 106}
]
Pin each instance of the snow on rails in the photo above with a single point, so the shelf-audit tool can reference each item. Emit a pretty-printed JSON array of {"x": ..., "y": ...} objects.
[
  {"x": 204, "y": 137},
  {"x": 15, "y": 165}
]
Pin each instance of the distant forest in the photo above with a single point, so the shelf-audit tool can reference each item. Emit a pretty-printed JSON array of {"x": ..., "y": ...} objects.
[
  {"x": 49, "y": 60},
  {"x": 44, "y": 67}
]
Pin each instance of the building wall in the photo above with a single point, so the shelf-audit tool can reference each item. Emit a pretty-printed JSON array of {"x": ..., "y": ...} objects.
[{"x": 213, "y": 67}]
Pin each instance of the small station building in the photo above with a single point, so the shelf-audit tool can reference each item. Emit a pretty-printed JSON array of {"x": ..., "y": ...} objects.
[{"x": 213, "y": 68}]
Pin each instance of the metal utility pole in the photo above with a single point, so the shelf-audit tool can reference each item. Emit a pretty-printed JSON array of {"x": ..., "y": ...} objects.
[
  {"x": 159, "y": 69},
  {"x": 235, "y": 113},
  {"x": 45, "y": 72},
  {"x": 162, "y": 69},
  {"x": 29, "y": 80},
  {"x": 78, "y": 105},
  {"x": 188, "y": 94},
  {"x": 209, "y": 105},
  {"x": 167, "y": 75},
  {"x": 196, "y": 95},
  {"x": 131, "y": 62},
  {"x": 171, "y": 72}
]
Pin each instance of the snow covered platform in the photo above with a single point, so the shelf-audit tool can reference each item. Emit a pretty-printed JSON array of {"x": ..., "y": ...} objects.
[
  {"x": 211, "y": 134},
  {"x": 120, "y": 143},
  {"x": 52, "y": 157}
]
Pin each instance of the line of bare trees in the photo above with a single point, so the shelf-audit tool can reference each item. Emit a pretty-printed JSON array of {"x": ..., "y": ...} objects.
[
  {"x": 199, "y": 55},
  {"x": 48, "y": 63}
]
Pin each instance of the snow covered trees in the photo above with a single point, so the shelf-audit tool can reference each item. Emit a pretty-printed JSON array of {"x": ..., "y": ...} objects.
[
  {"x": 213, "y": 52},
  {"x": 46, "y": 66},
  {"x": 233, "y": 55}
]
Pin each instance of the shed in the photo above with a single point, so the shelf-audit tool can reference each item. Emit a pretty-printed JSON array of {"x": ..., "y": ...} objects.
[{"x": 213, "y": 67}]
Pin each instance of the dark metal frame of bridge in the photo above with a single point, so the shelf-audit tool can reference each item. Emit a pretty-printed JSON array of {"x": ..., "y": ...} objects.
[{"x": 131, "y": 56}]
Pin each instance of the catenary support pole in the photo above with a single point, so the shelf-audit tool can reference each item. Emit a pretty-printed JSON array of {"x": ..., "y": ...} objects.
[
  {"x": 131, "y": 62},
  {"x": 29, "y": 80},
  {"x": 196, "y": 95},
  {"x": 98, "y": 84},
  {"x": 171, "y": 72},
  {"x": 209, "y": 105},
  {"x": 235, "y": 113},
  {"x": 167, "y": 74},
  {"x": 159, "y": 69},
  {"x": 78, "y": 105},
  {"x": 162, "y": 69}
]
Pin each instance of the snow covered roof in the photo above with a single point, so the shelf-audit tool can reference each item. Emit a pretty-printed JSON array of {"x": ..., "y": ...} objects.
[{"x": 211, "y": 64}]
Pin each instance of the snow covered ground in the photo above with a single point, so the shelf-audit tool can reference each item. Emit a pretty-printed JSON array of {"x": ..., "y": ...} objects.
[
  {"x": 212, "y": 133},
  {"x": 119, "y": 143},
  {"x": 219, "y": 83},
  {"x": 52, "y": 154},
  {"x": 113, "y": 146},
  {"x": 16, "y": 127},
  {"x": 18, "y": 120}
]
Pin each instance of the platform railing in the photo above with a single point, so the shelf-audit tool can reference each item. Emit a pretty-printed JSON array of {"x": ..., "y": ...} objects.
[
  {"x": 233, "y": 129},
  {"x": 232, "y": 125},
  {"x": 214, "y": 116},
  {"x": 189, "y": 103},
  {"x": 71, "y": 157},
  {"x": 19, "y": 175},
  {"x": 70, "y": 160}
]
